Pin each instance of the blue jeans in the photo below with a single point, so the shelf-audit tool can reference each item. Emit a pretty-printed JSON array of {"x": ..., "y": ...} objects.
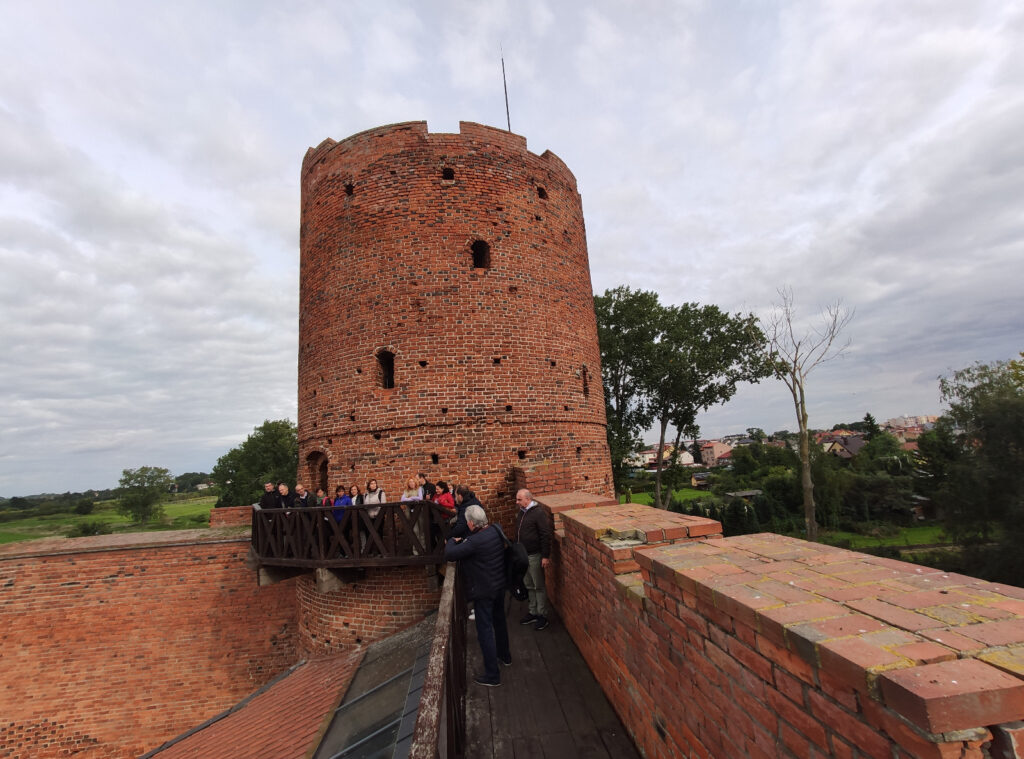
[{"x": 492, "y": 632}]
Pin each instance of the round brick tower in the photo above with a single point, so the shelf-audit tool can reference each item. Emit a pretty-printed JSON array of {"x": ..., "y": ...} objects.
[{"x": 446, "y": 320}]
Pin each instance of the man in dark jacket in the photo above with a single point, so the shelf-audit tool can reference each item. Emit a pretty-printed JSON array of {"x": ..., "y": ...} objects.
[
  {"x": 533, "y": 530},
  {"x": 269, "y": 498},
  {"x": 464, "y": 498},
  {"x": 303, "y": 497},
  {"x": 285, "y": 499},
  {"x": 481, "y": 557}
]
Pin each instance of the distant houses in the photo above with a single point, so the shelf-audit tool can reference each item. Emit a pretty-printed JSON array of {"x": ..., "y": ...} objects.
[
  {"x": 648, "y": 458},
  {"x": 841, "y": 443}
]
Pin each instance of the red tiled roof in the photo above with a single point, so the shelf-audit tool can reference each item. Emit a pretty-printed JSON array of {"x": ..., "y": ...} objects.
[{"x": 282, "y": 722}]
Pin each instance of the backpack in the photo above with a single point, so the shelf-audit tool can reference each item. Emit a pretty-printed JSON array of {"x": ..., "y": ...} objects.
[{"x": 516, "y": 563}]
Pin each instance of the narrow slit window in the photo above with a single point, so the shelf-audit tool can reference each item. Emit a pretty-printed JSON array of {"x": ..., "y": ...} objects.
[
  {"x": 386, "y": 362},
  {"x": 586, "y": 382},
  {"x": 481, "y": 254}
]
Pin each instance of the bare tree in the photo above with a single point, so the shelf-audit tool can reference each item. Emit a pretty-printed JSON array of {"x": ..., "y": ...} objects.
[{"x": 795, "y": 354}]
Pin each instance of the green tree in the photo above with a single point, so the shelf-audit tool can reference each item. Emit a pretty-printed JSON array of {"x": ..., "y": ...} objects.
[
  {"x": 871, "y": 428},
  {"x": 664, "y": 365},
  {"x": 795, "y": 355},
  {"x": 972, "y": 466},
  {"x": 93, "y": 527},
  {"x": 140, "y": 492},
  {"x": 626, "y": 326},
  {"x": 189, "y": 480},
  {"x": 269, "y": 454},
  {"x": 699, "y": 355}
]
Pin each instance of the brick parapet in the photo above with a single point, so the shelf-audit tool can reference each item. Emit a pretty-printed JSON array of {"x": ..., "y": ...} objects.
[
  {"x": 763, "y": 645},
  {"x": 114, "y": 644},
  {"x": 231, "y": 516}
]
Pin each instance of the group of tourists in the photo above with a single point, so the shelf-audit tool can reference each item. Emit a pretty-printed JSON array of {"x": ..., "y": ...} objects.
[
  {"x": 418, "y": 488},
  {"x": 481, "y": 552},
  {"x": 479, "y": 546}
]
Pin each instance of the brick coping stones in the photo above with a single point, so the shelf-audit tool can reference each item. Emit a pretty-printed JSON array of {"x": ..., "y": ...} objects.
[
  {"x": 121, "y": 541},
  {"x": 942, "y": 650}
]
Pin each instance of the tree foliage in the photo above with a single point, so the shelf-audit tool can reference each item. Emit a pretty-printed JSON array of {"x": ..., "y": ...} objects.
[
  {"x": 269, "y": 454},
  {"x": 664, "y": 365},
  {"x": 972, "y": 465},
  {"x": 189, "y": 480},
  {"x": 626, "y": 320},
  {"x": 699, "y": 355},
  {"x": 141, "y": 490}
]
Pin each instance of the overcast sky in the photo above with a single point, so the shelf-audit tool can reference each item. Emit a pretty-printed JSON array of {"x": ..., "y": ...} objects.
[{"x": 149, "y": 190}]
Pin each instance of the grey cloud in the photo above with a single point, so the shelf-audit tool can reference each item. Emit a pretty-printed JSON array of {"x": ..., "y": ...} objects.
[{"x": 149, "y": 167}]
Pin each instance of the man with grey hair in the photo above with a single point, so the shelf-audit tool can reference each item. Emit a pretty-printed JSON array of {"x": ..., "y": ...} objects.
[
  {"x": 533, "y": 530},
  {"x": 481, "y": 557}
]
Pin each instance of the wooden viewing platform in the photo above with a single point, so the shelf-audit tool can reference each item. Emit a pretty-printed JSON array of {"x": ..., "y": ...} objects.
[{"x": 391, "y": 534}]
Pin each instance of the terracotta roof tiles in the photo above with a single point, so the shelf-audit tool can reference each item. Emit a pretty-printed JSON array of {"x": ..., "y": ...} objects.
[{"x": 282, "y": 722}]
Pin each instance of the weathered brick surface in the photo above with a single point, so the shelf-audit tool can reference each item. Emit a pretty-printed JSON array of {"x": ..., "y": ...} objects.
[
  {"x": 231, "y": 516},
  {"x": 763, "y": 645},
  {"x": 954, "y": 695},
  {"x": 382, "y": 602},
  {"x": 496, "y": 368},
  {"x": 112, "y": 645}
]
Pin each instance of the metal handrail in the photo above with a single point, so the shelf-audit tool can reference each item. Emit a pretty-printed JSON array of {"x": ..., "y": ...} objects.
[{"x": 397, "y": 534}]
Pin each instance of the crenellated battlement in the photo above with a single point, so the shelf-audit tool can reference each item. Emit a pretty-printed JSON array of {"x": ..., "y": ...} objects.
[{"x": 405, "y": 135}]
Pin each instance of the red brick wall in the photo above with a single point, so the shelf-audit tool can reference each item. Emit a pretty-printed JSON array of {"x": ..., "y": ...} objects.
[
  {"x": 383, "y": 602},
  {"x": 110, "y": 649},
  {"x": 765, "y": 646},
  {"x": 491, "y": 364},
  {"x": 231, "y": 516}
]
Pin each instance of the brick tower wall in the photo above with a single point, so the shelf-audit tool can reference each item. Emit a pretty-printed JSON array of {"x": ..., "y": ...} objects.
[{"x": 496, "y": 360}]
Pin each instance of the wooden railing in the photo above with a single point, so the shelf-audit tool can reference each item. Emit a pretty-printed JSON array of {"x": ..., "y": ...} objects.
[
  {"x": 440, "y": 731},
  {"x": 397, "y": 534}
]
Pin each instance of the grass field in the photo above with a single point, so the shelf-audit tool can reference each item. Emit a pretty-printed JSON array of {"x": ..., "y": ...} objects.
[
  {"x": 685, "y": 494},
  {"x": 926, "y": 535},
  {"x": 178, "y": 515}
]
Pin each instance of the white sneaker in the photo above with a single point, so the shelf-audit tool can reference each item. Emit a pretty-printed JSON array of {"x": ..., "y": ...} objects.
[{"x": 472, "y": 614}]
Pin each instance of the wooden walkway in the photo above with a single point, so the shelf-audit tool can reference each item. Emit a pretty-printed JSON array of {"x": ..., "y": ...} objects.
[{"x": 548, "y": 705}]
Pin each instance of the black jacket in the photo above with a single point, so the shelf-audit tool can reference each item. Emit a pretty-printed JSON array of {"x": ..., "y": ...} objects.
[
  {"x": 461, "y": 528},
  {"x": 269, "y": 499},
  {"x": 533, "y": 530},
  {"x": 481, "y": 558}
]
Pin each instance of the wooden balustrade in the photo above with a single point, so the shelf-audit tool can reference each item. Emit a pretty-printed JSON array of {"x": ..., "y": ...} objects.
[{"x": 397, "y": 534}]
